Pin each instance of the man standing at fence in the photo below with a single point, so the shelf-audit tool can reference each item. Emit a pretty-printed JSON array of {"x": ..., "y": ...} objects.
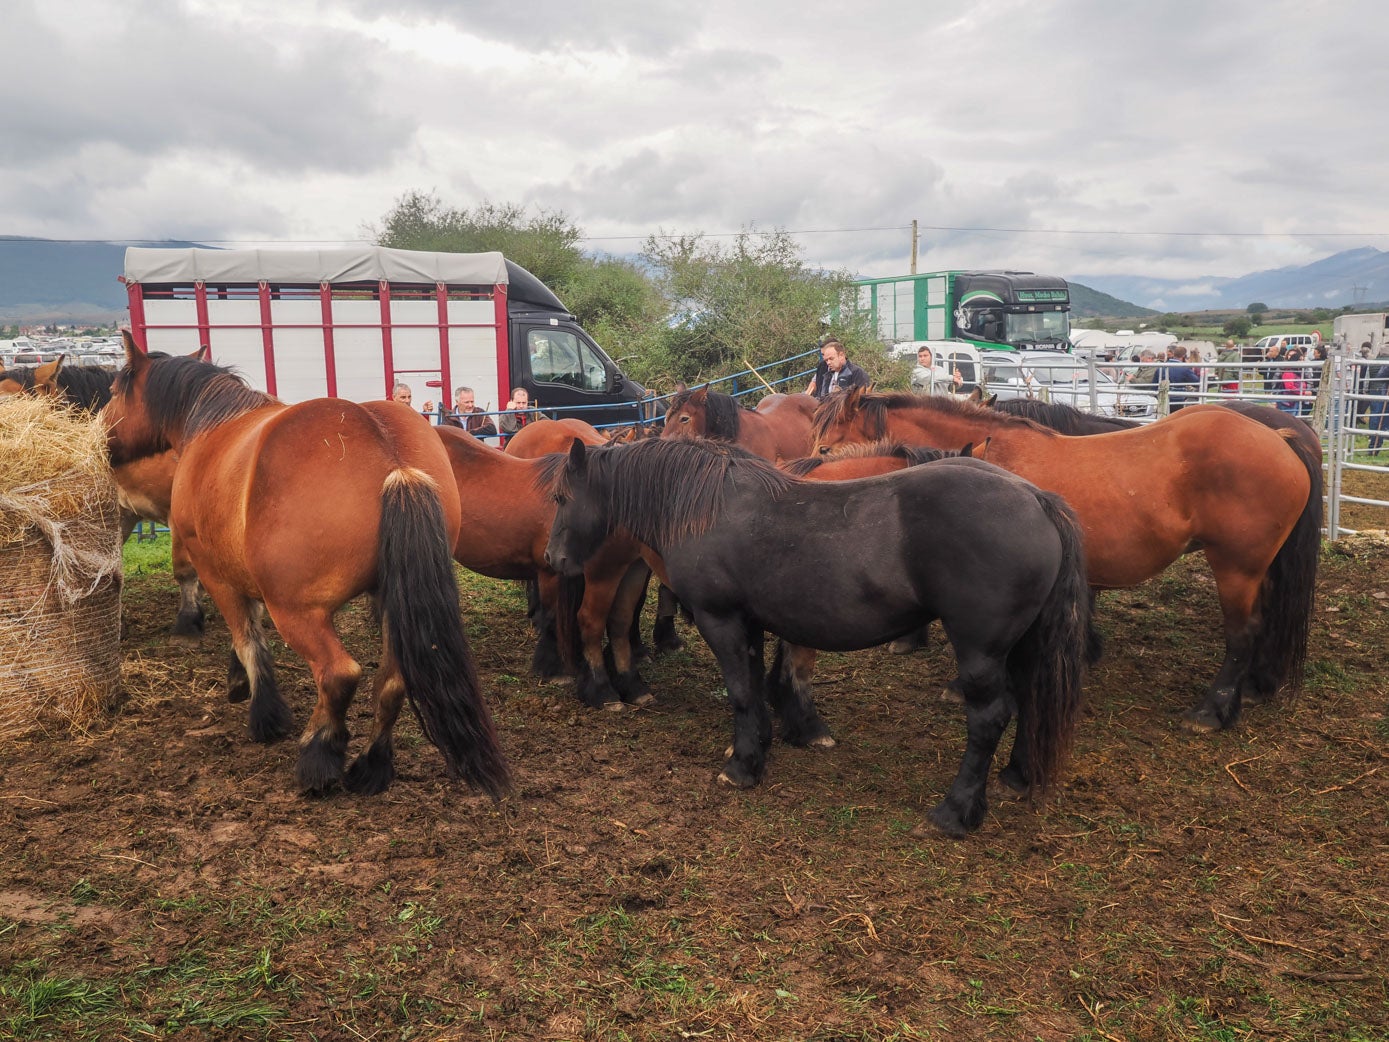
[
  {"x": 835, "y": 372},
  {"x": 929, "y": 378},
  {"x": 467, "y": 415}
]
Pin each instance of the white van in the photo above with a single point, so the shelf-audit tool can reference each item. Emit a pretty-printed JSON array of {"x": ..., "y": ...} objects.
[{"x": 1302, "y": 341}]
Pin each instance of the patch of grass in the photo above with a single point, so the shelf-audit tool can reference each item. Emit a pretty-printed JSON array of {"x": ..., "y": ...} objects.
[{"x": 145, "y": 556}]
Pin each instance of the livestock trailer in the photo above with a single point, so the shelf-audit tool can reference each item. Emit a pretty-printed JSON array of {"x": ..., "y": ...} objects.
[{"x": 353, "y": 322}]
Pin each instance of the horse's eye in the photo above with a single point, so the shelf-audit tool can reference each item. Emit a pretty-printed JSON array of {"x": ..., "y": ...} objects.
[
  {"x": 824, "y": 450},
  {"x": 684, "y": 419}
]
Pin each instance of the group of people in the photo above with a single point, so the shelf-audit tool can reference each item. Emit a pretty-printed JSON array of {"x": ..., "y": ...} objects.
[
  {"x": 836, "y": 373},
  {"x": 467, "y": 416}
]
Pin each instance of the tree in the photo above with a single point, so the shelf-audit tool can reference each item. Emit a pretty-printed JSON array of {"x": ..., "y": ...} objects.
[
  {"x": 1239, "y": 326},
  {"x": 753, "y": 300},
  {"x": 1256, "y": 308}
]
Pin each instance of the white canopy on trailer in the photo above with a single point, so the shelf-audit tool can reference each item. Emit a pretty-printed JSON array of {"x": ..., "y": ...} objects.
[{"x": 351, "y": 264}]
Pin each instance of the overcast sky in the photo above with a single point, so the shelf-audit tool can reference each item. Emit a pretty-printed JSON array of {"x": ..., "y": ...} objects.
[{"x": 285, "y": 121}]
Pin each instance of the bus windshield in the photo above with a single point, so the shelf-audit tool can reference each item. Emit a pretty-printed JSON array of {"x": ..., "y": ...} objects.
[{"x": 1035, "y": 327}]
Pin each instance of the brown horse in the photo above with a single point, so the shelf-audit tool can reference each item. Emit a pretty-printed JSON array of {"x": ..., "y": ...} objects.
[
  {"x": 142, "y": 487},
  {"x": 295, "y": 510},
  {"x": 506, "y": 524},
  {"x": 779, "y": 428},
  {"x": 1205, "y": 478}
]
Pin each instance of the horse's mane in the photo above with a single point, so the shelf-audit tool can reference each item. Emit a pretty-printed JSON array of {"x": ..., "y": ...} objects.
[
  {"x": 913, "y": 454},
  {"x": 723, "y": 415},
  {"x": 85, "y": 386},
  {"x": 874, "y": 406},
  {"x": 190, "y": 396},
  {"x": 1062, "y": 418},
  {"x": 664, "y": 490}
]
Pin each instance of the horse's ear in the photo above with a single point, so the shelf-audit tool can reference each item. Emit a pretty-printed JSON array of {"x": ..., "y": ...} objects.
[
  {"x": 577, "y": 455},
  {"x": 46, "y": 376},
  {"x": 134, "y": 357},
  {"x": 202, "y": 354},
  {"x": 992, "y": 401},
  {"x": 983, "y": 449},
  {"x": 976, "y": 395},
  {"x": 698, "y": 397},
  {"x": 968, "y": 450}
]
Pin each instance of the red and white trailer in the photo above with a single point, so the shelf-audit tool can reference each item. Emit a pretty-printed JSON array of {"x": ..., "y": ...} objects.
[{"x": 353, "y": 322}]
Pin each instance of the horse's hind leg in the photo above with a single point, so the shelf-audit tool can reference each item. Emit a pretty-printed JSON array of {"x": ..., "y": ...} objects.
[
  {"x": 792, "y": 698},
  {"x": 541, "y": 596},
  {"x": 190, "y": 621},
  {"x": 987, "y": 712},
  {"x": 1238, "y": 591},
  {"x": 664, "y": 635},
  {"x": 323, "y": 745},
  {"x": 374, "y": 770}
]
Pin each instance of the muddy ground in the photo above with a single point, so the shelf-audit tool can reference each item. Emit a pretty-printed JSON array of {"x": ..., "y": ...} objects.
[{"x": 159, "y": 877}]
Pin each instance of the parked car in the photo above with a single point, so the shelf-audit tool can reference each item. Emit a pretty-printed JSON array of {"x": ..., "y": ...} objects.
[{"x": 1063, "y": 378}]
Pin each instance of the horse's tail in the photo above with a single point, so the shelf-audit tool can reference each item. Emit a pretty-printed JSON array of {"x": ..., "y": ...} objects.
[
  {"x": 1047, "y": 665},
  {"x": 418, "y": 597},
  {"x": 1284, "y": 607},
  {"x": 568, "y": 636}
]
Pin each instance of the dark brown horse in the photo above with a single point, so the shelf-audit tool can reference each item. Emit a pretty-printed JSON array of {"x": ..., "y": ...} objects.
[
  {"x": 779, "y": 428},
  {"x": 506, "y": 523},
  {"x": 295, "y": 510},
  {"x": 1205, "y": 478},
  {"x": 143, "y": 486}
]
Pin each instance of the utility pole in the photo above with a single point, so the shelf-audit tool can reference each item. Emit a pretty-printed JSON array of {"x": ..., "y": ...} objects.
[{"x": 914, "y": 241}]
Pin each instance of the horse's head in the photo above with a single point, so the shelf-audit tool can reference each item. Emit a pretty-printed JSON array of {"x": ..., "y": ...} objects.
[
  {"x": 685, "y": 418},
  {"x": 15, "y": 381},
  {"x": 581, "y": 521},
  {"x": 844, "y": 418},
  {"x": 139, "y": 423},
  {"x": 46, "y": 378}
]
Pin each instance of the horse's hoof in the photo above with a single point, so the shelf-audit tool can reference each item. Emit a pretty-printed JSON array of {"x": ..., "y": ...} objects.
[
  {"x": 615, "y": 707},
  {"x": 949, "y": 822},
  {"x": 1013, "y": 778},
  {"x": 904, "y": 645},
  {"x": 1201, "y": 721},
  {"x": 665, "y": 645},
  {"x": 952, "y": 694},
  {"x": 643, "y": 700},
  {"x": 823, "y": 741},
  {"x": 737, "y": 776}
]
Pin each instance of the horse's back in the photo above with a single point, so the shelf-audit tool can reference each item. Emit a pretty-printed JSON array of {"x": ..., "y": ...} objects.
[
  {"x": 781, "y": 427},
  {"x": 542, "y": 437}
]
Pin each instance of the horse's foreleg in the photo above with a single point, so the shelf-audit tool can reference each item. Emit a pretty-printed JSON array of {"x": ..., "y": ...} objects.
[
  {"x": 738, "y": 648},
  {"x": 323, "y": 745},
  {"x": 987, "y": 712},
  {"x": 374, "y": 770},
  {"x": 190, "y": 621},
  {"x": 1238, "y": 591},
  {"x": 792, "y": 698},
  {"x": 594, "y": 687},
  {"x": 623, "y": 617},
  {"x": 663, "y": 634}
]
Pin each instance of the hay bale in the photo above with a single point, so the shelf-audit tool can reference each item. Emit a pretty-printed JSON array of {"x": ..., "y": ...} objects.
[{"x": 60, "y": 561}]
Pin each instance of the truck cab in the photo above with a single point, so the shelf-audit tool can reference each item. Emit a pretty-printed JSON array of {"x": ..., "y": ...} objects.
[{"x": 558, "y": 363}]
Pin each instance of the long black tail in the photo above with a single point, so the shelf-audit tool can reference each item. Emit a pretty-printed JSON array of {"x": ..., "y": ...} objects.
[
  {"x": 1047, "y": 665},
  {"x": 419, "y": 611},
  {"x": 1284, "y": 607}
]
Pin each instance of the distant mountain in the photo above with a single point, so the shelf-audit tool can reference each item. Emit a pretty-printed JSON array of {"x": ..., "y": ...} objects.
[
  {"x": 42, "y": 280},
  {"x": 1331, "y": 282},
  {"x": 1091, "y": 303}
]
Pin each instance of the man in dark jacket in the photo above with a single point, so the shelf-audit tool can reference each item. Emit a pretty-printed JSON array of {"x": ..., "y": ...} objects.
[
  {"x": 466, "y": 414},
  {"x": 835, "y": 372}
]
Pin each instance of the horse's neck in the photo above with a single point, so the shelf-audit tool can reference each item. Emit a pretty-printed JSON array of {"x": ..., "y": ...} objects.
[{"x": 948, "y": 430}]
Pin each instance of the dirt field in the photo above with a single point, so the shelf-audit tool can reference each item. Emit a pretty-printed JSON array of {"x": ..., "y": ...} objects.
[{"x": 161, "y": 878}]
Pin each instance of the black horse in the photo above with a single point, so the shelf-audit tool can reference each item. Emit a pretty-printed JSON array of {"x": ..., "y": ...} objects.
[{"x": 845, "y": 565}]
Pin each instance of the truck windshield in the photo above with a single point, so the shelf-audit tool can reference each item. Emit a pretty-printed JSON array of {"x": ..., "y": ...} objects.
[
  {"x": 1034, "y": 327},
  {"x": 559, "y": 357}
]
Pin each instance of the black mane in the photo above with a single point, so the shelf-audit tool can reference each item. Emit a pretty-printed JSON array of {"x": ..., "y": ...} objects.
[
  {"x": 1062, "y": 418},
  {"x": 85, "y": 386},
  {"x": 722, "y": 414},
  {"x": 186, "y": 396},
  {"x": 663, "y": 490}
]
